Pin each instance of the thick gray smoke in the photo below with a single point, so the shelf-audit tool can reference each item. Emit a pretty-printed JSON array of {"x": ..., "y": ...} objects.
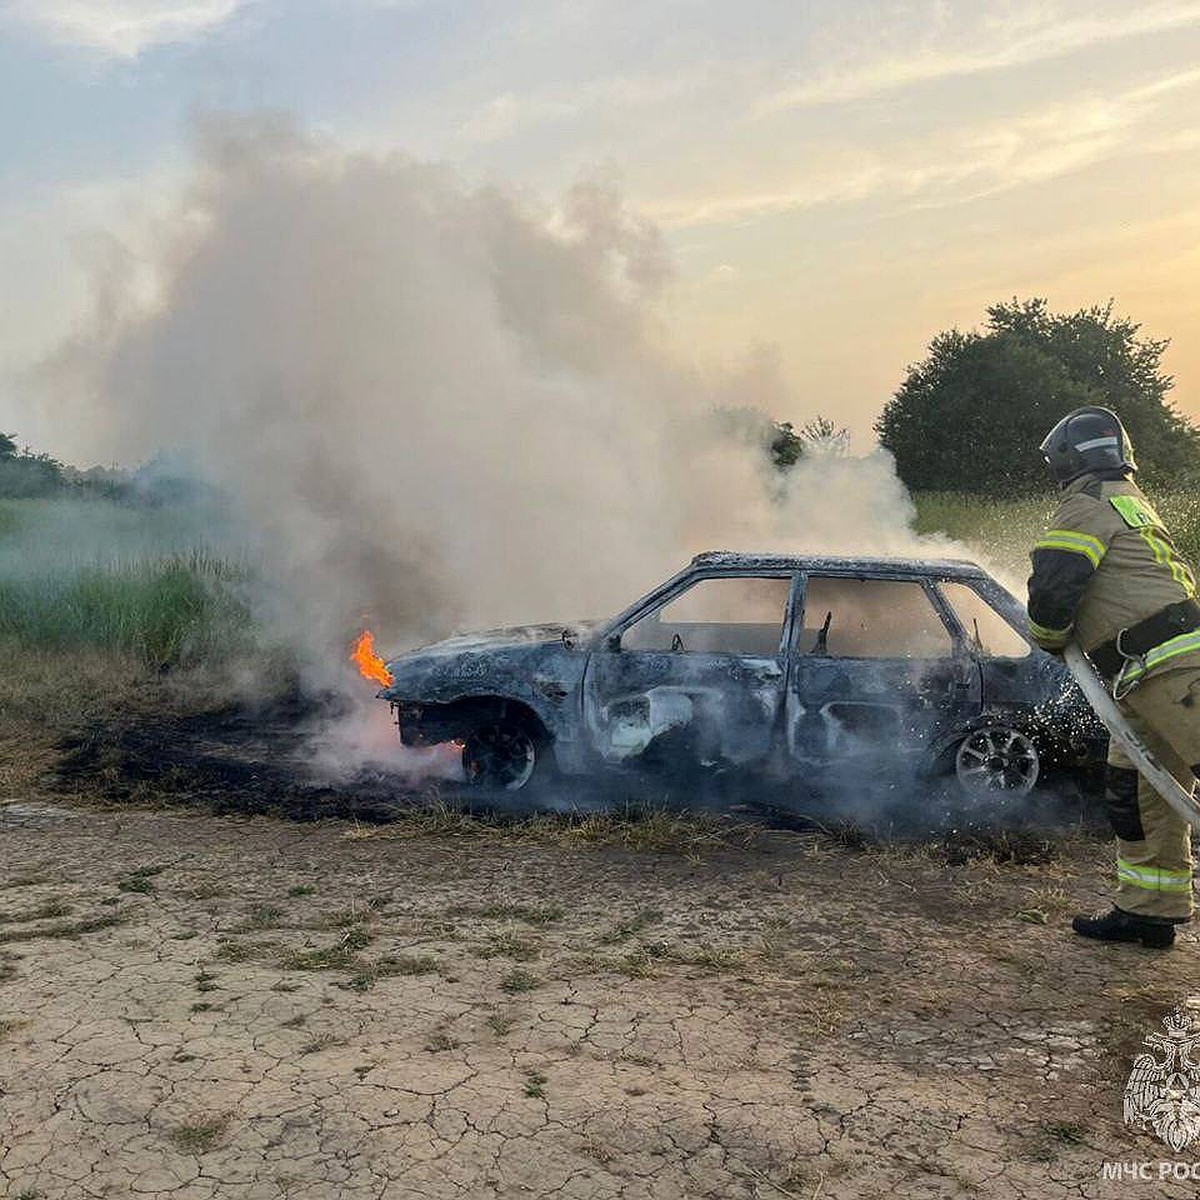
[{"x": 437, "y": 406}]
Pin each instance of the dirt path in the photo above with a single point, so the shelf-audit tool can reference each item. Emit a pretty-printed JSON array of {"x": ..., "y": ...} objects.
[{"x": 196, "y": 1006}]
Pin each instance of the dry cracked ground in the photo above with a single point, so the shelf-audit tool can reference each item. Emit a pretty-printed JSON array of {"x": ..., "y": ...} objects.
[{"x": 196, "y": 1006}]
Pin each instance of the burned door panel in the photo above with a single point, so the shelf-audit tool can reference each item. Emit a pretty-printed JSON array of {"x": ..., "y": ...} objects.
[
  {"x": 696, "y": 679},
  {"x": 875, "y": 671}
]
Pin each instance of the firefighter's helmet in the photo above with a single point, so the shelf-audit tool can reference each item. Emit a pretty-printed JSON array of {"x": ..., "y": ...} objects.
[{"x": 1087, "y": 441}]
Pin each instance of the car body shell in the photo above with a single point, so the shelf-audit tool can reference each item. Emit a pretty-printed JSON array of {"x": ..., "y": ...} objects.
[{"x": 598, "y": 705}]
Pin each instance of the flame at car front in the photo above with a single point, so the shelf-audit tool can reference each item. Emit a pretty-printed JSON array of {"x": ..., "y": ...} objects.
[{"x": 369, "y": 664}]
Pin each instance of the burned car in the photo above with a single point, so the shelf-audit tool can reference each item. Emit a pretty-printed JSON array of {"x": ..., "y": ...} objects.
[{"x": 799, "y": 668}]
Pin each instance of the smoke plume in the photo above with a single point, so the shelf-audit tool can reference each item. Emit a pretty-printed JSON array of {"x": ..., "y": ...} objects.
[{"x": 437, "y": 405}]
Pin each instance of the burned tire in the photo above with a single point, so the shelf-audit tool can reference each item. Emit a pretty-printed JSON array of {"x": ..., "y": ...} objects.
[
  {"x": 503, "y": 754},
  {"x": 997, "y": 762}
]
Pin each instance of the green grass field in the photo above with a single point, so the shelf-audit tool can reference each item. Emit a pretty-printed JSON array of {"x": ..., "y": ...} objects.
[
  {"x": 177, "y": 611},
  {"x": 78, "y": 575}
]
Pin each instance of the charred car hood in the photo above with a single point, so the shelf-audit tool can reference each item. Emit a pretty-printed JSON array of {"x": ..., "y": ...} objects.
[
  {"x": 534, "y": 663},
  {"x": 511, "y": 637}
]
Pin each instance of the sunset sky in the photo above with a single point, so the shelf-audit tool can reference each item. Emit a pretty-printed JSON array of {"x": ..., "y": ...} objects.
[{"x": 837, "y": 180}]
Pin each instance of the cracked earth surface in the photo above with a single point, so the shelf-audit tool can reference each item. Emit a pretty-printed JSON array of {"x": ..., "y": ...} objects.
[{"x": 195, "y": 1006}]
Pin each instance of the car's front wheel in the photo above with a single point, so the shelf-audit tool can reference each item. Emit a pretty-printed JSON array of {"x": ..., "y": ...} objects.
[
  {"x": 997, "y": 761},
  {"x": 502, "y": 754}
]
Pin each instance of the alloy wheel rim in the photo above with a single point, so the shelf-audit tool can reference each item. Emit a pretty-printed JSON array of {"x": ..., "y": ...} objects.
[{"x": 997, "y": 760}]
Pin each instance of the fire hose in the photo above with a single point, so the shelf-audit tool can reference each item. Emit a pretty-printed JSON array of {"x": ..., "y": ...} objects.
[{"x": 1142, "y": 757}]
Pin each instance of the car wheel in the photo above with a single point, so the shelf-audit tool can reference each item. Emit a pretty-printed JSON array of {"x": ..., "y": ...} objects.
[
  {"x": 997, "y": 760},
  {"x": 502, "y": 755}
]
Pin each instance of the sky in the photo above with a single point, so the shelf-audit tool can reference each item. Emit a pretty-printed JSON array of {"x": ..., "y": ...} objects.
[{"x": 836, "y": 180}]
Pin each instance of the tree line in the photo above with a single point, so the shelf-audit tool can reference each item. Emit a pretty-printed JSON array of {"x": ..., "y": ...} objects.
[
  {"x": 26, "y": 475},
  {"x": 970, "y": 416}
]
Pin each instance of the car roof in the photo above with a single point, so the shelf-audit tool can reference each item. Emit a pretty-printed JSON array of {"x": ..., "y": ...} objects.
[{"x": 735, "y": 560}]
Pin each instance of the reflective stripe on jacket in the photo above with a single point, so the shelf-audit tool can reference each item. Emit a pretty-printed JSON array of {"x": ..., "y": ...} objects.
[{"x": 1105, "y": 563}]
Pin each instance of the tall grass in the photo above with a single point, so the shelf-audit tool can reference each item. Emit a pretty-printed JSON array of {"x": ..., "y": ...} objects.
[
  {"x": 173, "y": 611},
  {"x": 93, "y": 575},
  {"x": 1003, "y": 530},
  {"x": 1006, "y": 529},
  {"x": 1181, "y": 512}
]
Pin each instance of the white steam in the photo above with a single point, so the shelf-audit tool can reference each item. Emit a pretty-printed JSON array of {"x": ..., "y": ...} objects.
[{"x": 439, "y": 406}]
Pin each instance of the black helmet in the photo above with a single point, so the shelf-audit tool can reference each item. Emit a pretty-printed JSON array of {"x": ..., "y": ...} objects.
[{"x": 1087, "y": 441}]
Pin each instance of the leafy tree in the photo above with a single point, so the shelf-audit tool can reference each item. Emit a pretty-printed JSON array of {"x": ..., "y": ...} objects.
[
  {"x": 24, "y": 475},
  {"x": 783, "y": 443},
  {"x": 786, "y": 445},
  {"x": 971, "y": 415}
]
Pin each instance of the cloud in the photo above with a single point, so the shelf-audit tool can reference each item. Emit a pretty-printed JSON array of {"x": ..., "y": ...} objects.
[
  {"x": 124, "y": 28},
  {"x": 998, "y": 43},
  {"x": 958, "y": 165},
  {"x": 519, "y": 111},
  {"x": 503, "y": 116}
]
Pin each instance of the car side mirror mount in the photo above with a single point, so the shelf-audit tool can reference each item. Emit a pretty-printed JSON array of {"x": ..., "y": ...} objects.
[{"x": 614, "y": 642}]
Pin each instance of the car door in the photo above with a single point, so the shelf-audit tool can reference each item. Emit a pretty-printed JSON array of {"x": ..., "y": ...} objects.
[
  {"x": 696, "y": 677},
  {"x": 877, "y": 670}
]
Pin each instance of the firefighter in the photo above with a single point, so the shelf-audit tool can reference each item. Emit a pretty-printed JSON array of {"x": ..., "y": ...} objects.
[{"x": 1107, "y": 575}]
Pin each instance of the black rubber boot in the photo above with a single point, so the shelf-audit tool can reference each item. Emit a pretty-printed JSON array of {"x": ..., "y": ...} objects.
[{"x": 1120, "y": 926}]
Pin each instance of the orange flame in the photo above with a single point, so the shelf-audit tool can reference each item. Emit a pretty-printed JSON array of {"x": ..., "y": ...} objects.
[{"x": 369, "y": 664}]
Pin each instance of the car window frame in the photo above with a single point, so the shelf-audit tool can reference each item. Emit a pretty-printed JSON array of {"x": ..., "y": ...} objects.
[
  {"x": 1020, "y": 629},
  {"x": 684, "y": 581},
  {"x": 959, "y": 647}
]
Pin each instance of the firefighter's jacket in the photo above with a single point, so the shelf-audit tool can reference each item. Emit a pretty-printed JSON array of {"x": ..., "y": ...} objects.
[{"x": 1105, "y": 564}]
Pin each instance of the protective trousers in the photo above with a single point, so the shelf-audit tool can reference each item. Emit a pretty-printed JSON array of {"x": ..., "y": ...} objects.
[{"x": 1154, "y": 845}]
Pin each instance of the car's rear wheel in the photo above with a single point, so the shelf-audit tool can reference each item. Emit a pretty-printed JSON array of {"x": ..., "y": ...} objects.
[
  {"x": 501, "y": 754},
  {"x": 997, "y": 761}
]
